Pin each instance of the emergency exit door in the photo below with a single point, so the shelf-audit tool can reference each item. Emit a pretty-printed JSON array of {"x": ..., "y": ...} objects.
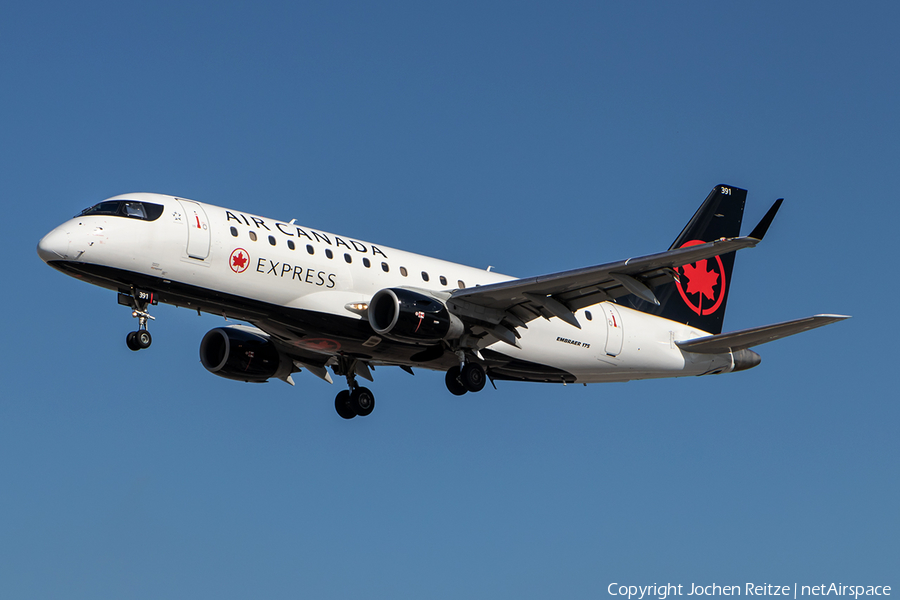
[
  {"x": 615, "y": 333},
  {"x": 198, "y": 230}
]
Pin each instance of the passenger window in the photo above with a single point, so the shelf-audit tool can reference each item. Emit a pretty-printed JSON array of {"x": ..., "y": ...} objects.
[
  {"x": 366, "y": 262},
  {"x": 587, "y": 314},
  {"x": 253, "y": 235},
  {"x": 310, "y": 249},
  {"x": 424, "y": 276},
  {"x": 291, "y": 244},
  {"x": 272, "y": 240},
  {"x": 385, "y": 267},
  {"x": 443, "y": 280},
  {"x": 403, "y": 271},
  {"x": 234, "y": 231},
  {"x": 461, "y": 284},
  {"x": 329, "y": 253},
  {"x": 347, "y": 258}
]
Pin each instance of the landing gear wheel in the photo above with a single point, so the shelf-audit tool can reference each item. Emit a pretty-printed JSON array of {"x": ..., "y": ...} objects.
[
  {"x": 131, "y": 342},
  {"x": 454, "y": 384},
  {"x": 363, "y": 401},
  {"x": 342, "y": 405},
  {"x": 473, "y": 377},
  {"x": 142, "y": 339}
]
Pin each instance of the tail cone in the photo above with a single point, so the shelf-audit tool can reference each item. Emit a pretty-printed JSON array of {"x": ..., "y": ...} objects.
[{"x": 745, "y": 359}]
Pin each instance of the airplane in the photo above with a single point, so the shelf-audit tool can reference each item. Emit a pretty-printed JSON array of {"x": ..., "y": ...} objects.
[{"x": 315, "y": 300}]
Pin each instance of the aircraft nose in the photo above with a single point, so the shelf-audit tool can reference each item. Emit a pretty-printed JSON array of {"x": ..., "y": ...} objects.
[{"x": 54, "y": 245}]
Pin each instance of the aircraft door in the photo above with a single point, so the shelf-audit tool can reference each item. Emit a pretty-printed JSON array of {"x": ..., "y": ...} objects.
[
  {"x": 615, "y": 333},
  {"x": 198, "y": 229}
]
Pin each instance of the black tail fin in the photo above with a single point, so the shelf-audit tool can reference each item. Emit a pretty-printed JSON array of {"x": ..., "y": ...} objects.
[{"x": 699, "y": 295}]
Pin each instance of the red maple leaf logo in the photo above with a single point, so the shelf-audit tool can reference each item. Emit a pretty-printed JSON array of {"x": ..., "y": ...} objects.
[
  {"x": 700, "y": 280},
  {"x": 239, "y": 260}
]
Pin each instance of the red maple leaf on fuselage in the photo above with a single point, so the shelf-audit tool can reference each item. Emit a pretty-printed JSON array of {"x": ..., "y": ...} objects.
[
  {"x": 239, "y": 260},
  {"x": 701, "y": 281}
]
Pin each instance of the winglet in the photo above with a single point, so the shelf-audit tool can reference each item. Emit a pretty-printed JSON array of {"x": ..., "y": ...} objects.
[{"x": 760, "y": 230}]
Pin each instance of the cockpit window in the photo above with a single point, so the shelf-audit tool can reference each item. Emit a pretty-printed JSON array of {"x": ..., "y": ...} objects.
[
  {"x": 104, "y": 208},
  {"x": 135, "y": 209},
  {"x": 125, "y": 208}
]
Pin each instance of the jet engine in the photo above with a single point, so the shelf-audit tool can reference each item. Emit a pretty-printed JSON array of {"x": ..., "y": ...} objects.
[
  {"x": 407, "y": 316},
  {"x": 243, "y": 354}
]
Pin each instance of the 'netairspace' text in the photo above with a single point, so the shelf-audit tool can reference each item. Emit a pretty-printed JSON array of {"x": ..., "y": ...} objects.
[{"x": 663, "y": 591}]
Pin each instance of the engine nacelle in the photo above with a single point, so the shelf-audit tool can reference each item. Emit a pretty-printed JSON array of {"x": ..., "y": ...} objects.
[
  {"x": 406, "y": 316},
  {"x": 236, "y": 353}
]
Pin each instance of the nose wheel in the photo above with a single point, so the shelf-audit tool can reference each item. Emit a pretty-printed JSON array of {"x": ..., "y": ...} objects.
[
  {"x": 138, "y": 340},
  {"x": 140, "y": 302}
]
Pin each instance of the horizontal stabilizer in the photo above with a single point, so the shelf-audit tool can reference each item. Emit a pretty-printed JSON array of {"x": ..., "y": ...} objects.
[{"x": 747, "y": 338}]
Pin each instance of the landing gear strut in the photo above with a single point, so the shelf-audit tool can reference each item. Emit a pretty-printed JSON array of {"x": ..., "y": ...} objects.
[
  {"x": 358, "y": 400},
  {"x": 140, "y": 302}
]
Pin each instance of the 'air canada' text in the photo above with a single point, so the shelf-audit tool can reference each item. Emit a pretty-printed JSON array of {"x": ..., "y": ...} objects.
[{"x": 312, "y": 235}]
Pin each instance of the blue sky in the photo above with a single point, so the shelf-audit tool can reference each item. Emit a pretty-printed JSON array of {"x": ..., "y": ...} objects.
[{"x": 528, "y": 136}]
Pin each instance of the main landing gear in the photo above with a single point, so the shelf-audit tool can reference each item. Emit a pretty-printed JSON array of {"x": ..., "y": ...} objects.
[
  {"x": 469, "y": 377},
  {"x": 140, "y": 302},
  {"x": 358, "y": 400}
]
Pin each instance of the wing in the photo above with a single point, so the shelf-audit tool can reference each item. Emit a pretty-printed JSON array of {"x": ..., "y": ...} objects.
[{"x": 502, "y": 307}]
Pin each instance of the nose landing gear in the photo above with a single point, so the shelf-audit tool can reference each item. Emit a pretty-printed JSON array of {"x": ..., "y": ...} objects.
[
  {"x": 138, "y": 340},
  {"x": 139, "y": 301}
]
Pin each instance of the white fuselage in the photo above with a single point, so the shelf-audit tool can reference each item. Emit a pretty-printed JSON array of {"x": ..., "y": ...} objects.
[{"x": 239, "y": 255}]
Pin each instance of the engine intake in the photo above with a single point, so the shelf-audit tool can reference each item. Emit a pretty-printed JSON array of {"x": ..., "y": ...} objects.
[
  {"x": 406, "y": 316},
  {"x": 235, "y": 353}
]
